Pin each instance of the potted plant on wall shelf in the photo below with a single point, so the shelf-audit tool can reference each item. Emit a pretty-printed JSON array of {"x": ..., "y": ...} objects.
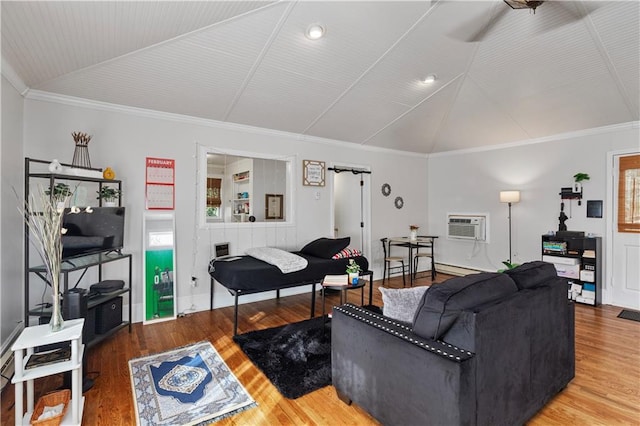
[
  {"x": 109, "y": 195},
  {"x": 60, "y": 193},
  {"x": 578, "y": 178}
]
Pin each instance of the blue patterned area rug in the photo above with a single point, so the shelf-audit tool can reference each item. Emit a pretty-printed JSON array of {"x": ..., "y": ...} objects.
[{"x": 191, "y": 385}]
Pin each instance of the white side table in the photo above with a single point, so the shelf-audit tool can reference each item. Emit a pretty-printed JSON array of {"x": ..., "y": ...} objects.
[{"x": 23, "y": 347}]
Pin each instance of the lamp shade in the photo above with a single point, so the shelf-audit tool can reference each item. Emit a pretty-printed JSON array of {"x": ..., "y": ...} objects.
[{"x": 509, "y": 196}]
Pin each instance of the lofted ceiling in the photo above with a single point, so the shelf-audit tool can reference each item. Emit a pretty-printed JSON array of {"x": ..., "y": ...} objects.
[{"x": 503, "y": 75}]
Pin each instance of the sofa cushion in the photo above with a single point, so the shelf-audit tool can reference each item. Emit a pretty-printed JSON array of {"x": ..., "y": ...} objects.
[
  {"x": 442, "y": 303},
  {"x": 532, "y": 274},
  {"x": 325, "y": 248},
  {"x": 401, "y": 303}
]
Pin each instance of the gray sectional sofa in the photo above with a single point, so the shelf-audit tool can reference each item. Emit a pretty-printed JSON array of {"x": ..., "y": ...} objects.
[{"x": 485, "y": 349}]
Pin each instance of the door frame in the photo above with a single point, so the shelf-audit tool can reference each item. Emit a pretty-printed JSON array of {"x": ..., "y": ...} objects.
[
  {"x": 366, "y": 205},
  {"x": 611, "y": 214}
]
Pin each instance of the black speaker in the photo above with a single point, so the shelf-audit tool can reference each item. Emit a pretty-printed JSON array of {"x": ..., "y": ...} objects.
[{"x": 75, "y": 303}]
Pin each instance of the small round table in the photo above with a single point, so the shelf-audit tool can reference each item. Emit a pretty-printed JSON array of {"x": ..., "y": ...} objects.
[{"x": 343, "y": 291}]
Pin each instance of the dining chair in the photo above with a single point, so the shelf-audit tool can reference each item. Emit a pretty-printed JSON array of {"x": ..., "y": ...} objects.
[
  {"x": 389, "y": 262},
  {"x": 422, "y": 255}
]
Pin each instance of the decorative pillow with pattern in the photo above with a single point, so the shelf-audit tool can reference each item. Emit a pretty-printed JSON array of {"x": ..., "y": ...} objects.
[{"x": 346, "y": 253}]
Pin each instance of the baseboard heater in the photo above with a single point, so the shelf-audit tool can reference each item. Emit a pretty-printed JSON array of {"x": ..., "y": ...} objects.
[{"x": 456, "y": 270}]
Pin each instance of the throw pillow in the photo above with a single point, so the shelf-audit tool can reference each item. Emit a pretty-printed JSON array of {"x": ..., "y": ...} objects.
[
  {"x": 347, "y": 253},
  {"x": 401, "y": 303},
  {"x": 532, "y": 274},
  {"x": 325, "y": 248}
]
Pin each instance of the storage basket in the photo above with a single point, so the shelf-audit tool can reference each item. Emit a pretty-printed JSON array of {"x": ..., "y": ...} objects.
[{"x": 49, "y": 400}]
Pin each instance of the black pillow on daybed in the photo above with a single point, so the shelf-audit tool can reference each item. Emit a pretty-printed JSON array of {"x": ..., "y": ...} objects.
[{"x": 325, "y": 248}]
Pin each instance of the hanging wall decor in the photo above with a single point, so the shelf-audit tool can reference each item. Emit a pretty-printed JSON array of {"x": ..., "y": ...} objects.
[
  {"x": 312, "y": 173},
  {"x": 386, "y": 189},
  {"x": 160, "y": 183},
  {"x": 398, "y": 202}
]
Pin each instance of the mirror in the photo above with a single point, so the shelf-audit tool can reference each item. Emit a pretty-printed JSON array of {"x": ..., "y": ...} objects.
[{"x": 246, "y": 189}]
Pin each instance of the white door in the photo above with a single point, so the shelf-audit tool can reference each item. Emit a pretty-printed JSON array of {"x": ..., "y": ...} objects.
[{"x": 625, "y": 246}]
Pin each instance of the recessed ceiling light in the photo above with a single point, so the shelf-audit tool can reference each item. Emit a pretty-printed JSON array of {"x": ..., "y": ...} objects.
[
  {"x": 314, "y": 32},
  {"x": 429, "y": 79}
]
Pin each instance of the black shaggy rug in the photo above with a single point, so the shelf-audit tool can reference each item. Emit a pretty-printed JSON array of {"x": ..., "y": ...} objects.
[{"x": 295, "y": 357}]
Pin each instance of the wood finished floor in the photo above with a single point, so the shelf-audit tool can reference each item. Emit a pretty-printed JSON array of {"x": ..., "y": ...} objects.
[{"x": 605, "y": 391}]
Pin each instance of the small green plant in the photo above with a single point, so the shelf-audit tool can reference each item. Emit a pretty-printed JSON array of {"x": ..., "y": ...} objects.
[
  {"x": 353, "y": 267},
  {"x": 108, "y": 194},
  {"x": 509, "y": 265},
  {"x": 579, "y": 177},
  {"x": 61, "y": 191}
]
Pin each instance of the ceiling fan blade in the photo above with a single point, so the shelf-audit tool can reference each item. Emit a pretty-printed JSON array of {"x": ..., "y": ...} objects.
[
  {"x": 569, "y": 11},
  {"x": 467, "y": 33}
]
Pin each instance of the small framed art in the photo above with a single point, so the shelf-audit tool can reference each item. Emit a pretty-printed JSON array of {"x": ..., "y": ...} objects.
[
  {"x": 273, "y": 206},
  {"x": 312, "y": 173}
]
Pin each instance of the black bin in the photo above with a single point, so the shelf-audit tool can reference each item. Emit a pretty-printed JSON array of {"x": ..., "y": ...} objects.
[{"x": 108, "y": 315}]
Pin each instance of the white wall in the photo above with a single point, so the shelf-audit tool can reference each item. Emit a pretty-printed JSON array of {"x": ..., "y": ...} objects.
[
  {"x": 122, "y": 139},
  {"x": 11, "y": 225},
  {"x": 471, "y": 182}
]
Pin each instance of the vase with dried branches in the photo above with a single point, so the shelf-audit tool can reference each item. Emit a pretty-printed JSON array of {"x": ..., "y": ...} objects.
[
  {"x": 43, "y": 215},
  {"x": 81, "y": 153}
]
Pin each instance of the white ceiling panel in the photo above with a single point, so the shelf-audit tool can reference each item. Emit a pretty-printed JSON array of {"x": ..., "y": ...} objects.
[
  {"x": 417, "y": 129},
  {"x": 503, "y": 75},
  {"x": 357, "y": 116},
  {"x": 570, "y": 109},
  {"x": 283, "y": 100},
  {"x": 45, "y": 39},
  {"x": 466, "y": 126},
  {"x": 357, "y": 34},
  {"x": 618, "y": 29},
  {"x": 198, "y": 75}
]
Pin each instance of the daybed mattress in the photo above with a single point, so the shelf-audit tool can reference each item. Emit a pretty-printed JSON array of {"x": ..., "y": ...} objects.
[{"x": 250, "y": 275}]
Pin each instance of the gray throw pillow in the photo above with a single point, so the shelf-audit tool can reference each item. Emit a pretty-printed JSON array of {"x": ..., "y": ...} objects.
[{"x": 401, "y": 303}]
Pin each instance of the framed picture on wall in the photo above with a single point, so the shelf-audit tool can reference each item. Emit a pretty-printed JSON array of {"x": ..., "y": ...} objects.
[
  {"x": 312, "y": 173},
  {"x": 273, "y": 206}
]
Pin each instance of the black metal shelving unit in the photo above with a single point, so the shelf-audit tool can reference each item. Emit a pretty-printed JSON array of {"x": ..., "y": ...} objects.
[{"x": 80, "y": 263}]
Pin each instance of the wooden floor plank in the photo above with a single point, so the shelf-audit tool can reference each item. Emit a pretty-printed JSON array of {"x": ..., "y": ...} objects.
[{"x": 605, "y": 391}]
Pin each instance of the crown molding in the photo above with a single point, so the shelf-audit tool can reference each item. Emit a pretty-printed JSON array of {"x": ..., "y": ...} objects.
[
  {"x": 39, "y": 95},
  {"x": 560, "y": 136},
  {"x": 12, "y": 77}
]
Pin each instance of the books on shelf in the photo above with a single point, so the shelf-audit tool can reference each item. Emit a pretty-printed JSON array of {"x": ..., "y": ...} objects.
[
  {"x": 51, "y": 357},
  {"x": 342, "y": 279}
]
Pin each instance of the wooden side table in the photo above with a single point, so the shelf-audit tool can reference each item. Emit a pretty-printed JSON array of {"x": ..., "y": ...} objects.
[{"x": 23, "y": 348}]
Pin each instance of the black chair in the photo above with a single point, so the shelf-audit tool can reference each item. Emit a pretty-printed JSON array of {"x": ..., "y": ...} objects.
[
  {"x": 390, "y": 260},
  {"x": 425, "y": 254}
]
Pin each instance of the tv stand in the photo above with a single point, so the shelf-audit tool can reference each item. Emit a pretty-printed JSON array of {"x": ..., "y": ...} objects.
[
  {"x": 38, "y": 170},
  {"x": 83, "y": 263}
]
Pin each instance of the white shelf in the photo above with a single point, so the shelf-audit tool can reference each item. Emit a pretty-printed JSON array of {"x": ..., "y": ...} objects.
[
  {"x": 51, "y": 369},
  {"x": 41, "y": 335},
  {"x": 24, "y": 346}
]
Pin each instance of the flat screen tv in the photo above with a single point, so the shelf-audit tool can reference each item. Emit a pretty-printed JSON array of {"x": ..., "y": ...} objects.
[{"x": 87, "y": 233}]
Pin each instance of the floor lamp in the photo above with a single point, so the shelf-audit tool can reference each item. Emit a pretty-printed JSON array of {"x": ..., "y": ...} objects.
[{"x": 509, "y": 197}]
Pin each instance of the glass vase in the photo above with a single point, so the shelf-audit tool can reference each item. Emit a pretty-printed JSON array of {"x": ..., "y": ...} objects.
[{"x": 57, "y": 322}]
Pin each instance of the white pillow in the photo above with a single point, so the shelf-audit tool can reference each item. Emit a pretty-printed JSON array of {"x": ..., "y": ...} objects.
[{"x": 401, "y": 303}]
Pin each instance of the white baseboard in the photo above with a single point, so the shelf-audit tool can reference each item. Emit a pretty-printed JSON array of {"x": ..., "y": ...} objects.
[
  {"x": 456, "y": 270},
  {"x": 6, "y": 360}
]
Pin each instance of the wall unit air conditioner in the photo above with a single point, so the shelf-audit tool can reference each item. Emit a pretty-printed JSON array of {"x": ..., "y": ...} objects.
[{"x": 466, "y": 227}]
